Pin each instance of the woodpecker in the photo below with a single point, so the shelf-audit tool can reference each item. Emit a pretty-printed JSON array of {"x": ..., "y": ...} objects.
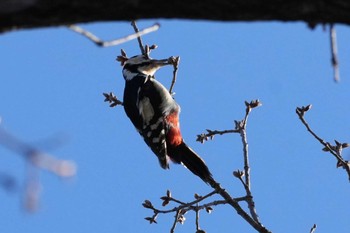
[{"x": 155, "y": 114}]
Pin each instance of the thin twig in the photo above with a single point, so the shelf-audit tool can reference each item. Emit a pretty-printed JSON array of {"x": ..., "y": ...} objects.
[
  {"x": 193, "y": 206},
  {"x": 35, "y": 159},
  {"x": 313, "y": 228},
  {"x": 246, "y": 160},
  {"x": 334, "y": 52},
  {"x": 112, "y": 99},
  {"x": 178, "y": 201},
  {"x": 182, "y": 209},
  {"x": 189, "y": 205},
  {"x": 172, "y": 230},
  {"x": 197, "y": 219},
  {"x": 231, "y": 201},
  {"x": 133, "y": 24},
  {"x": 102, "y": 43},
  {"x": 211, "y": 133},
  {"x": 242, "y": 126},
  {"x": 202, "y": 198},
  {"x": 176, "y": 66},
  {"x": 243, "y": 134},
  {"x": 40, "y": 159},
  {"x": 32, "y": 190},
  {"x": 334, "y": 150}
]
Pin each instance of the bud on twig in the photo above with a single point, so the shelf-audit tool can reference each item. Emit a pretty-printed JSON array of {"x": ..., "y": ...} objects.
[
  {"x": 238, "y": 173},
  {"x": 151, "y": 219},
  {"x": 208, "y": 209},
  {"x": 147, "y": 204},
  {"x": 166, "y": 200}
]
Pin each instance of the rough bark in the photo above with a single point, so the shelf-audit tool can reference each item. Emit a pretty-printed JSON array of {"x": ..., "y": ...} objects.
[{"x": 20, "y": 14}]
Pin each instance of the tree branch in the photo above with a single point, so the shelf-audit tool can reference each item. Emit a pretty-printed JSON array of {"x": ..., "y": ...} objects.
[
  {"x": 34, "y": 14},
  {"x": 241, "y": 126},
  {"x": 313, "y": 228},
  {"x": 335, "y": 150},
  {"x": 136, "y": 29},
  {"x": 35, "y": 160},
  {"x": 334, "y": 52},
  {"x": 122, "y": 40}
]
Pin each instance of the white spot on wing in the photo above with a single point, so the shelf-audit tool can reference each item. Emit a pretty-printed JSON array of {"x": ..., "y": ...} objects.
[
  {"x": 155, "y": 125},
  {"x": 155, "y": 140},
  {"x": 146, "y": 110}
]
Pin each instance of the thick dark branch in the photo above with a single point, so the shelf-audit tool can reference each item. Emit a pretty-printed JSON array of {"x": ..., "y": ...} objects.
[{"x": 41, "y": 13}]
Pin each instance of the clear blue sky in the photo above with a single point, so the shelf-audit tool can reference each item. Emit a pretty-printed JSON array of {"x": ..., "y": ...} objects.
[{"x": 52, "y": 82}]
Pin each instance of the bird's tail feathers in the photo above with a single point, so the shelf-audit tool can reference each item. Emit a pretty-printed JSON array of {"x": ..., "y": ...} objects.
[{"x": 185, "y": 155}]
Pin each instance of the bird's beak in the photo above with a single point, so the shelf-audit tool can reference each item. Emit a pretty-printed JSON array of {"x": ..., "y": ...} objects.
[
  {"x": 160, "y": 63},
  {"x": 155, "y": 65}
]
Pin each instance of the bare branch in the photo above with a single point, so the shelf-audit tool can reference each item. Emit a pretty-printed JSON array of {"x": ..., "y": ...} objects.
[
  {"x": 63, "y": 168},
  {"x": 183, "y": 208},
  {"x": 211, "y": 133},
  {"x": 334, "y": 52},
  {"x": 36, "y": 159},
  {"x": 133, "y": 24},
  {"x": 175, "y": 62},
  {"x": 241, "y": 126},
  {"x": 102, "y": 43},
  {"x": 313, "y": 228},
  {"x": 183, "y": 205},
  {"x": 231, "y": 201},
  {"x": 197, "y": 219},
  {"x": 112, "y": 99},
  {"x": 172, "y": 230},
  {"x": 335, "y": 150},
  {"x": 32, "y": 190}
]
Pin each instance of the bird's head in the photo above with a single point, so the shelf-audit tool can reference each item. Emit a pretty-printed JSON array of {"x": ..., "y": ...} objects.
[{"x": 141, "y": 64}]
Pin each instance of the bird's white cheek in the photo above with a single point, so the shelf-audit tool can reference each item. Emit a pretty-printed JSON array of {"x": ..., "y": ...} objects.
[{"x": 149, "y": 71}]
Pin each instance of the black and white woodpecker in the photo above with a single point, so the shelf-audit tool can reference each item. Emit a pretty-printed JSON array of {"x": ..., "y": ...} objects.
[{"x": 155, "y": 114}]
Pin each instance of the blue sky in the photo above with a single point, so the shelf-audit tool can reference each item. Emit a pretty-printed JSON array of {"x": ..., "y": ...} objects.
[{"x": 52, "y": 84}]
